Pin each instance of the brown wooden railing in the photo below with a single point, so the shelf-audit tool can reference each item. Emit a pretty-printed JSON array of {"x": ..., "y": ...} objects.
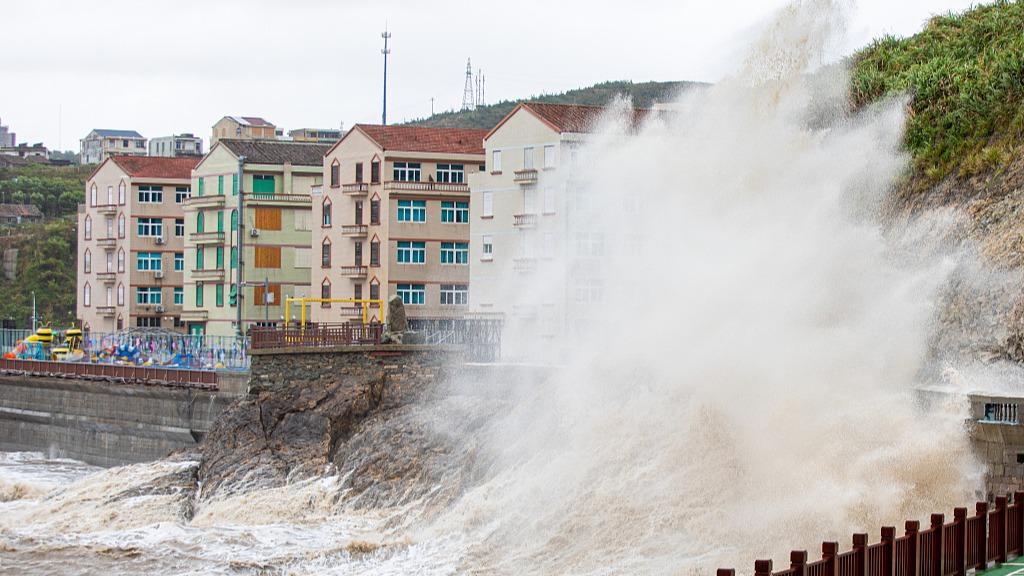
[
  {"x": 262, "y": 338},
  {"x": 941, "y": 549},
  {"x": 112, "y": 372}
]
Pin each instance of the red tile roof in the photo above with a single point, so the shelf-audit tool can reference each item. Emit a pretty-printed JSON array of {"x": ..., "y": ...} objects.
[
  {"x": 564, "y": 118},
  {"x": 157, "y": 167},
  {"x": 423, "y": 139}
]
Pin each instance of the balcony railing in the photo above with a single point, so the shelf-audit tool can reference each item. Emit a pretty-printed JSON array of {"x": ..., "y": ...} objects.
[
  {"x": 107, "y": 209},
  {"x": 107, "y": 277},
  {"x": 458, "y": 188},
  {"x": 208, "y": 274},
  {"x": 206, "y": 237},
  {"x": 208, "y": 201},
  {"x": 353, "y": 271},
  {"x": 524, "y": 220},
  {"x": 105, "y": 311},
  {"x": 194, "y": 315},
  {"x": 267, "y": 199},
  {"x": 354, "y": 188},
  {"x": 354, "y": 230},
  {"x": 527, "y": 176},
  {"x": 525, "y": 264},
  {"x": 107, "y": 242}
]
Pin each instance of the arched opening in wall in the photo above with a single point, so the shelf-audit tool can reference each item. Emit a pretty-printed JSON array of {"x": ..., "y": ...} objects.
[
  {"x": 87, "y": 295},
  {"x": 120, "y": 294},
  {"x": 87, "y": 261},
  {"x": 120, "y": 260},
  {"x": 120, "y": 322},
  {"x": 120, "y": 225},
  {"x": 325, "y": 292},
  {"x": 325, "y": 253},
  {"x": 335, "y": 174},
  {"x": 93, "y": 191},
  {"x": 87, "y": 233},
  {"x": 121, "y": 193},
  {"x": 326, "y": 214}
]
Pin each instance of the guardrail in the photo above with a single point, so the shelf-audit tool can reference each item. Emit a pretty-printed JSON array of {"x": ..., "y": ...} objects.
[
  {"x": 113, "y": 373},
  {"x": 943, "y": 549},
  {"x": 314, "y": 336}
]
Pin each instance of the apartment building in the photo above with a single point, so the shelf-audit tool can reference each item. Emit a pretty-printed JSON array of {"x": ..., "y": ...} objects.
[
  {"x": 100, "y": 144},
  {"x": 243, "y": 128},
  {"x": 131, "y": 243},
  {"x": 530, "y": 223},
  {"x": 320, "y": 135},
  {"x": 272, "y": 233},
  {"x": 393, "y": 218},
  {"x": 176, "y": 145},
  {"x": 8, "y": 139}
]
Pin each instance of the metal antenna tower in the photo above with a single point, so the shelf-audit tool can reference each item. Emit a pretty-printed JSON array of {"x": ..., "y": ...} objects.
[
  {"x": 384, "y": 110},
  {"x": 468, "y": 99},
  {"x": 480, "y": 101}
]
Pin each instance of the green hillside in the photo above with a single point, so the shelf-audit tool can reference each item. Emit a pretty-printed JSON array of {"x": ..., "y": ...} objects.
[{"x": 643, "y": 95}]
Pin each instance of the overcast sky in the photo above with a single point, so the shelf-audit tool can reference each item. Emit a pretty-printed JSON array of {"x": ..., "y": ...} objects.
[{"x": 180, "y": 65}]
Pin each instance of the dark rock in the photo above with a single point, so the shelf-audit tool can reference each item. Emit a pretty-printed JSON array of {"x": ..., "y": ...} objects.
[{"x": 397, "y": 321}]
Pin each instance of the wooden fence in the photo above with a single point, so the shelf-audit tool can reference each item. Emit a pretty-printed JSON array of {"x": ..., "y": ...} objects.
[
  {"x": 942, "y": 549},
  {"x": 315, "y": 336},
  {"x": 204, "y": 379}
]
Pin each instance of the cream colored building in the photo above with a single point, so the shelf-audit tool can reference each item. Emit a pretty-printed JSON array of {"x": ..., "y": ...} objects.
[
  {"x": 533, "y": 257},
  {"x": 393, "y": 218},
  {"x": 273, "y": 233},
  {"x": 321, "y": 135},
  {"x": 101, "y": 143},
  {"x": 243, "y": 128},
  {"x": 131, "y": 243}
]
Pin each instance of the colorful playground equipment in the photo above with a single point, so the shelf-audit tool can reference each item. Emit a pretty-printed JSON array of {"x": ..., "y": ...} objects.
[{"x": 39, "y": 346}]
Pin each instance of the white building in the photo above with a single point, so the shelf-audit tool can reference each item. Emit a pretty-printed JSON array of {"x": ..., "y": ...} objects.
[
  {"x": 100, "y": 144},
  {"x": 176, "y": 145}
]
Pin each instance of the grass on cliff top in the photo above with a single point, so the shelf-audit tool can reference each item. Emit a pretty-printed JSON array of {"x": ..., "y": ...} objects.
[{"x": 966, "y": 75}]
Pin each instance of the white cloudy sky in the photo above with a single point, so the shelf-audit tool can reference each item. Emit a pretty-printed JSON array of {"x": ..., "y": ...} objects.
[{"x": 180, "y": 65}]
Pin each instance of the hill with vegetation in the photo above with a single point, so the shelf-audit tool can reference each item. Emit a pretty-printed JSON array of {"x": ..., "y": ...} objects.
[{"x": 643, "y": 95}]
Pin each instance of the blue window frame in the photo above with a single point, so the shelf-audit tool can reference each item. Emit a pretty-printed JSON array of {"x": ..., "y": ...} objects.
[
  {"x": 412, "y": 210},
  {"x": 149, "y": 262},
  {"x": 454, "y": 252},
  {"x": 148, "y": 295},
  {"x": 412, "y": 252},
  {"x": 412, "y": 293},
  {"x": 455, "y": 212}
]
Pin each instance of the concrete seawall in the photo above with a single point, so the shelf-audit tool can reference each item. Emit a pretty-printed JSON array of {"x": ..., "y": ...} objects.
[{"x": 102, "y": 423}]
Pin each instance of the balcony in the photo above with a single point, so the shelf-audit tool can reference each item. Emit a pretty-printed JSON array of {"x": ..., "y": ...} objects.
[
  {"x": 525, "y": 264},
  {"x": 107, "y": 278},
  {"x": 208, "y": 274},
  {"x": 442, "y": 188},
  {"x": 355, "y": 188},
  {"x": 194, "y": 315},
  {"x": 211, "y": 201},
  {"x": 349, "y": 311},
  {"x": 107, "y": 242},
  {"x": 109, "y": 209},
  {"x": 206, "y": 237},
  {"x": 527, "y": 176},
  {"x": 354, "y": 230},
  {"x": 524, "y": 220},
  {"x": 353, "y": 271},
  {"x": 282, "y": 200},
  {"x": 106, "y": 311}
]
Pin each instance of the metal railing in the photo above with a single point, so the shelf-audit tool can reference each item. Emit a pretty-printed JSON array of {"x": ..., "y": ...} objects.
[
  {"x": 942, "y": 549},
  {"x": 315, "y": 336},
  {"x": 164, "y": 348},
  {"x": 481, "y": 337},
  {"x": 112, "y": 372}
]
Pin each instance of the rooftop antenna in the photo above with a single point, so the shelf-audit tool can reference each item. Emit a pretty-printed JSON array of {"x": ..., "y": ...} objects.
[
  {"x": 384, "y": 111},
  {"x": 468, "y": 101},
  {"x": 479, "y": 87}
]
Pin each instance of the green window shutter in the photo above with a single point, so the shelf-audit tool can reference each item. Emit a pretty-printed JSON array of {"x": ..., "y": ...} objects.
[
  {"x": 220, "y": 221},
  {"x": 263, "y": 184},
  {"x": 199, "y": 295},
  {"x": 233, "y": 295},
  {"x": 220, "y": 294},
  {"x": 220, "y": 257},
  {"x": 199, "y": 258},
  {"x": 202, "y": 182},
  {"x": 220, "y": 185},
  {"x": 234, "y": 220},
  {"x": 200, "y": 222},
  {"x": 234, "y": 184},
  {"x": 234, "y": 257}
]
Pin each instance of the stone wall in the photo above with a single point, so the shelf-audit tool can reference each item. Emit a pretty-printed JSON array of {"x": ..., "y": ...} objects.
[
  {"x": 998, "y": 441},
  {"x": 102, "y": 423}
]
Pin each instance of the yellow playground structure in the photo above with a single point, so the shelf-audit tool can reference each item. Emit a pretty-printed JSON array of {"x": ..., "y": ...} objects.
[
  {"x": 40, "y": 346},
  {"x": 364, "y": 303}
]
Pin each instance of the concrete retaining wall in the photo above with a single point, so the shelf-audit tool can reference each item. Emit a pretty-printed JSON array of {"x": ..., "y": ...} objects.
[{"x": 101, "y": 423}]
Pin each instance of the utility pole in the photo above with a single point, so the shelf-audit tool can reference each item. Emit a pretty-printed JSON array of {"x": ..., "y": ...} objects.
[
  {"x": 240, "y": 243},
  {"x": 431, "y": 105},
  {"x": 34, "y": 312},
  {"x": 384, "y": 111}
]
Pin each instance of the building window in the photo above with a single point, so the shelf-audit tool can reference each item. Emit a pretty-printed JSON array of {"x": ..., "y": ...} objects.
[
  {"x": 151, "y": 194},
  {"x": 454, "y": 253},
  {"x": 199, "y": 294},
  {"x": 179, "y": 296},
  {"x": 120, "y": 294},
  {"x": 549, "y": 156},
  {"x": 234, "y": 220},
  {"x": 234, "y": 184},
  {"x": 488, "y": 247},
  {"x": 234, "y": 257},
  {"x": 454, "y": 294},
  {"x": 359, "y": 171},
  {"x": 200, "y": 222},
  {"x": 148, "y": 262},
  {"x": 220, "y": 221},
  {"x": 148, "y": 295},
  {"x": 455, "y": 212},
  {"x": 374, "y": 253},
  {"x": 120, "y": 260},
  {"x": 202, "y": 185},
  {"x": 120, "y": 226},
  {"x": 218, "y": 294},
  {"x": 263, "y": 184},
  {"x": 87, "y": 295},
  {"x": 488, "y": 204},
  {"x": 87, "y": 261},
  {"x": 335, "y": 174},
  {"x": 88, "y": 228},
  {"x": 92, "y": 195},
  {"x": 268, "y": 257},
  {"x": 110, "y": 228},
  {"x": 220, "y": 185},
  {"x": 181, "y": 193},
  {"x": 179, "y": 227},
  {"x": 527, "y": 158},
  {"x": 549, "y": 200},
  {"x": 412, "y": 293},
  {"x": 110, "y": 262},
  {"x": 150, "y": 227},
  {"x": 357, "y": 291},
  {"x": 496, "y": 161},
  {"x": 147, "y": 321},
  {"x": 110, "y": 195},
  {"x": 375, "y": 172},
  {"x": 267, "y": 218},
  {"x": 179, "y": 261},
  {"x": 529, "y": 200},
  {"x": 325, "y": 254},
  {"x": 374, "y": 290},
  {"x": 406, "y": 172},
  {"x": 453, "y": 173},
  {"x": 325, "y": 289},
  {"x": 220, "y": 257},
  {"x": 412, "y": 253},
  {"x": 412, "y": 210},
  {"x": 326, "y": 219},
  {"x": 358, "y": 212},
  {"x": 121, "y": 193},
  {"x": 374, "y": 212},
  {"x": 200, "y": 257},
  {"x": 358, "y": 252}
]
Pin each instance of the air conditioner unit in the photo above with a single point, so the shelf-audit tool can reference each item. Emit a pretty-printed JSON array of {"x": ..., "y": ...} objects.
[
  {"x": 159, "y": 309},
  {"x": 159, "y": 274},
  {"x": 254, "y": 232},
  {"x": 159, "y": 240}
]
